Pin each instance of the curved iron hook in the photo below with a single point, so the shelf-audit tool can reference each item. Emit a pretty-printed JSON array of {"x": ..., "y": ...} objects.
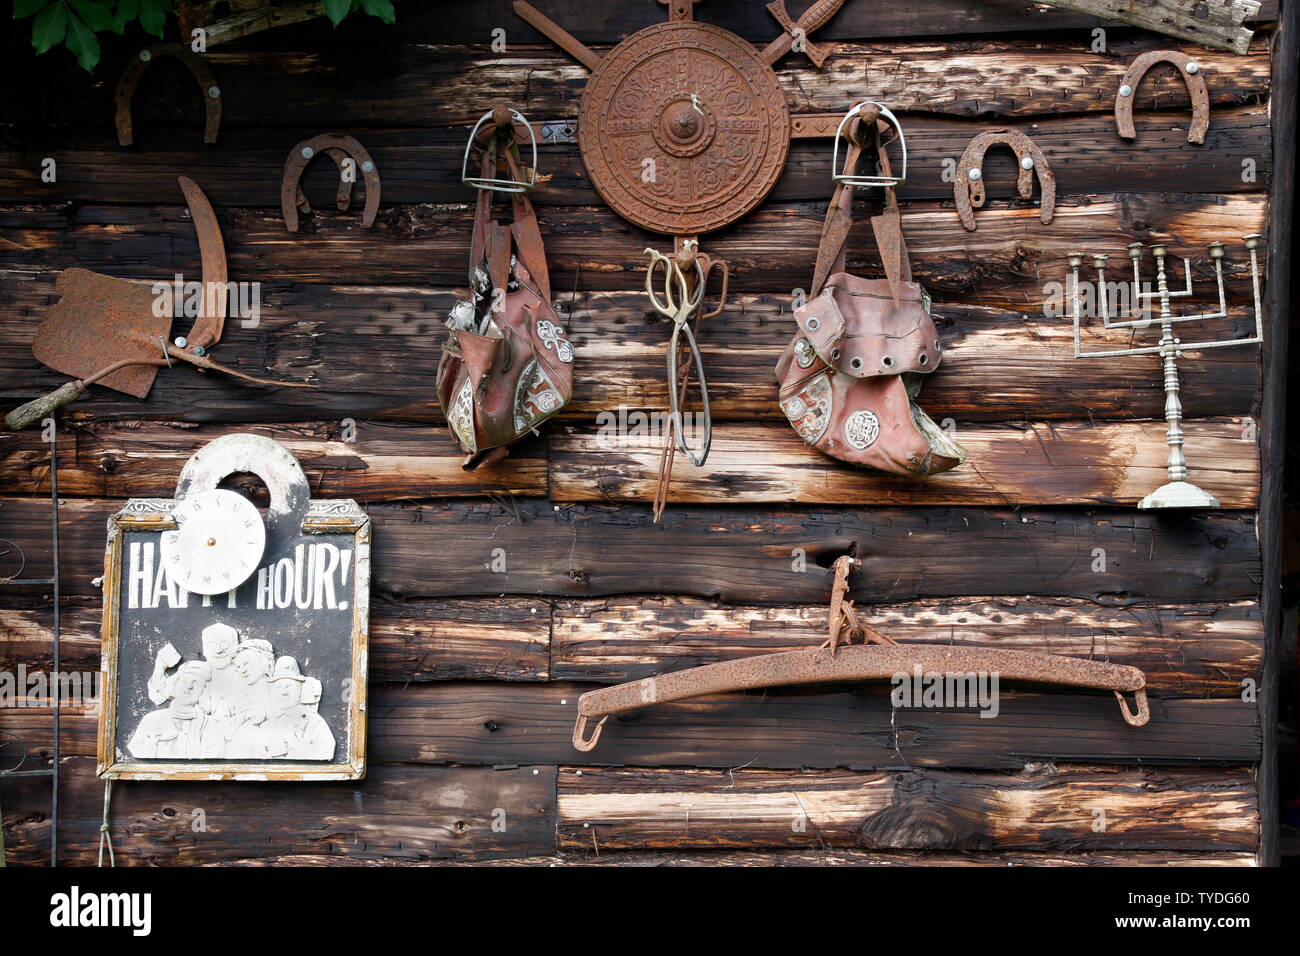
[
  {"x": 131, "y": 78},
  {"x": 580, "y": 740},
  {"x": 302, "y": 154},
  {"x": 968, "y": 189},
  {"x": 1191, "y": 72}
]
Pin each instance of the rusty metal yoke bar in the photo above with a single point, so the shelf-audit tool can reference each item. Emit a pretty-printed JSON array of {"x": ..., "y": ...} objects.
[
  {"x": 131, "y": 78},
  {"x": 858, "y": 662}
]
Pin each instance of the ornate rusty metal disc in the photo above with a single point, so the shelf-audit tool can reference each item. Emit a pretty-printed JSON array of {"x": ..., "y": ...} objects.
[{"x": 683, "y": 128}]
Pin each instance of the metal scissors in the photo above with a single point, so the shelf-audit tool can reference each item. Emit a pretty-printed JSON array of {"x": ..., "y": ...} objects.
[{"x": 679, "y": 300}]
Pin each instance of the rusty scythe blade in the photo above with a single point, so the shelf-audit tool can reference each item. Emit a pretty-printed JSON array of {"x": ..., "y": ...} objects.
[{"x": 857, "y": 663}]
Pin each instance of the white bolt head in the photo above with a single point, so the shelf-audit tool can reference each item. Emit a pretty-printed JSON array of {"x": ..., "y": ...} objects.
[
  {"x": 367, "y": 167},
  {"x": 214, "y": 92},
  {"x": 308, "y": 152},
  {"x": 145, "y": 56},
  {"x": 181, "y": 341},
  {"x": 1126, "y": 90},
  {"x": 1027, "y": 163},
  {"x": 975, "y": 174},
  {"x": 1193, "y": 67}
]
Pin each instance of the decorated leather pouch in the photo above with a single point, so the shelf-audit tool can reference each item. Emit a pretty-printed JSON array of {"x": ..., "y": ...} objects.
[
  {"x": 850, "y": 376},
  {"x": 507, "y": 364}
]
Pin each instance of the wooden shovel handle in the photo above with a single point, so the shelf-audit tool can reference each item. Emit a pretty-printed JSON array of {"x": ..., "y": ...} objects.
[{"x": 39, "y": 408}]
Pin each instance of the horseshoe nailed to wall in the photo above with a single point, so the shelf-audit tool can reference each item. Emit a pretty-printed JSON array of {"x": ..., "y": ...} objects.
[{"x": 968, "y": 189}]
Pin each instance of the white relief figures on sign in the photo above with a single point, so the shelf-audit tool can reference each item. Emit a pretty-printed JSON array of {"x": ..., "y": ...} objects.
[{"x": 239, "y": 703}]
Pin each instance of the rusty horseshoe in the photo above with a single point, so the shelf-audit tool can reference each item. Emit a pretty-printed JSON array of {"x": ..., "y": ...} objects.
[
  {"x": 1191, "y": 71},
  {"x": 341, "y": 148},
  {"x": 131, "y": 77},
  {"x": 968, "y": 189}
]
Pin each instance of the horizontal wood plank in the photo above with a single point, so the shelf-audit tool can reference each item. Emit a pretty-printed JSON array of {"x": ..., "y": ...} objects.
[
  {"x": 1188, "y": 650},
  {"x": 1004, "y": 263},
  {"x": 423, "y": 165},
  {"x": 371, "y": 353},
  {"x": 1063, "y": 463},
  {"x": 745, "y": 556},
  {"x": 1191, "y": 650},
  {"x": 397, "y": 814},
  {"x": 480, "y": 723},
  {"x": 439, "y": 83},
  {"x": 368, "y": 461},
  {"x": 1043, "y": 463},
  {"x": 1042, "y": 808},
  {"x": 819, "y": 857}
]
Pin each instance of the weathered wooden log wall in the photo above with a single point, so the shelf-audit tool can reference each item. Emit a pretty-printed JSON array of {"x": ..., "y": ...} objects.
[{"x": 1036, "y": 543}]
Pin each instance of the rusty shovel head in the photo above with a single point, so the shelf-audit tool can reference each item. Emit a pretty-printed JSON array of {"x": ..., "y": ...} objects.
[{"x": 100, "y": 320}]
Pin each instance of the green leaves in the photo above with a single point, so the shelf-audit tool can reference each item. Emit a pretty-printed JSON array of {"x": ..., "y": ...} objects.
[
  {"x": 49, "y": 27},
  {"x": 80, "y": 39},
  {"x": 336, "y": 10},
  {"x": 383, "y": 9},
  {"x": 153, "y": 15},
  {"x": 74, "y": 23}
]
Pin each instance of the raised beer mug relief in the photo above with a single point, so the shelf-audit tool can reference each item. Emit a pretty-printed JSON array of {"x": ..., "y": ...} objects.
[{"x": 235, "y": 643}]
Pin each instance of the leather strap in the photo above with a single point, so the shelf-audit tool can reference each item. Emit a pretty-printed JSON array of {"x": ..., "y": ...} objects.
[
  {"x": 887, "y": 227},
  {"x": 526, "y": 234}
]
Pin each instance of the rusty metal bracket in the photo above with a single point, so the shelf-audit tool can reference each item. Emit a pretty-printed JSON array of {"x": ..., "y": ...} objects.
[
  {"x": 796, "y": 32},
  {"x": 342, "y": 148},
  {"x": 1191, "y": 72},
  {"x": 131, "y": 78},
  {"x": 858, "y": 662},
  {"x": 968, "y": 188}
]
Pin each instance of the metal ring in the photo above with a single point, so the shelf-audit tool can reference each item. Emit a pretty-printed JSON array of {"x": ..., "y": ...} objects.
[
  {"x": 673, "y": 406},
  {"x": 813, "y": 323},
  {"x": 887, "y": 361},
  {"x": 500, "y": 185},
  {"x": 850, "y": 179}
]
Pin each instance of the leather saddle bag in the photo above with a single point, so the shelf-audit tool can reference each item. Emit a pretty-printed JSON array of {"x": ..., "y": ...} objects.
[
  {"x": 507, "y": 364},
  {"x": 850, "y": 376}
]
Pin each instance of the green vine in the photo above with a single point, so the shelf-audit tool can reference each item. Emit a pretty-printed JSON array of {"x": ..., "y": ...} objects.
[{"x": 75, "y": 23}]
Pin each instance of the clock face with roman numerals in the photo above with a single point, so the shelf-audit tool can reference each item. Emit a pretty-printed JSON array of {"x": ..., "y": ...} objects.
[{"x": 217, "y": 544}]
